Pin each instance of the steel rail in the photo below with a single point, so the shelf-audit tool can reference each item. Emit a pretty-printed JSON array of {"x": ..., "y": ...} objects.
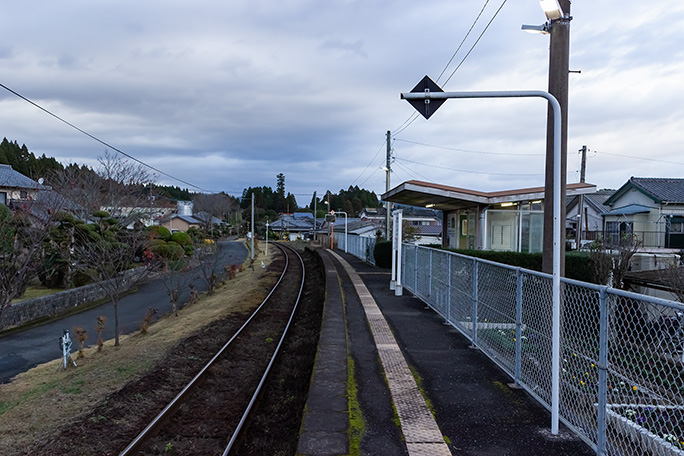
[
  {"x": 136, "y": 445},
  {"x": 248, "y": 410}
]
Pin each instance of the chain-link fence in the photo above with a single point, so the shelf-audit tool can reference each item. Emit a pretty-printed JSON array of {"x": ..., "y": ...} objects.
[
  {"x": 360, "y": 247},
  {"x": 622, "y": 354}
]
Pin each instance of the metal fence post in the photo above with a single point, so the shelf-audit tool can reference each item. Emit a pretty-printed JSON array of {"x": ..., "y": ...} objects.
[
  {"x": 448, "y": 288},
  {"x": 518, "y": 326},
  {"x": 602, "y": 372},
  {"x": 474, "y": 317},
  {"x": 430, "y": 294}
]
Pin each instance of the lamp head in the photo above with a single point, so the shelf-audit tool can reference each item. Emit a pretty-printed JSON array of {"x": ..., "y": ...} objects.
[
  {"x": 552, "y": 9},
  {"x": 543, "y": 29}
]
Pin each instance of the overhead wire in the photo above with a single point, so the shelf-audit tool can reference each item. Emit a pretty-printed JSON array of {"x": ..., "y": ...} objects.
[
  {"x": 467, "y": 150},
  {"x": 413, "y": 117},
  {"x": 476, "y": 42},
  {"x": 369, "y": 164},
  {"x": 99, "y": 140}
]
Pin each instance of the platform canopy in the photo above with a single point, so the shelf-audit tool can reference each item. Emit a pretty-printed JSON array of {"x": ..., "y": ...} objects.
[{"x": 446, "y": 198}]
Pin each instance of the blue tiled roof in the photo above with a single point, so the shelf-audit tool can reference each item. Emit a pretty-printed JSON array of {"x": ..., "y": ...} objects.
[{"x": 13, "y": 179}]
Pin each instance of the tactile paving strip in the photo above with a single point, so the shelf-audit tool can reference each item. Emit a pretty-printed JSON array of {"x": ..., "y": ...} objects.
[{"x": 419, "y": 427}]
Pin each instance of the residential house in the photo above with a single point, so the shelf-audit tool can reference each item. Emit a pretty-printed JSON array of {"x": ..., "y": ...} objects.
[
  {"x": 182, "y": 223},
  {"x": 592, "y": 209},
  {"x": 650, "y": 208},
  {"x": 298, "y": 225},
  {"x": 16, "y": 188},
  {"x": 505, "y": 220}
]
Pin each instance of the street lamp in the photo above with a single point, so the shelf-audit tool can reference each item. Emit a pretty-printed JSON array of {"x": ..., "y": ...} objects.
[
  {"x": 552, "y": 9},
  {"x": 558, "y": 26},
  {"x": 266, "y": 237}
]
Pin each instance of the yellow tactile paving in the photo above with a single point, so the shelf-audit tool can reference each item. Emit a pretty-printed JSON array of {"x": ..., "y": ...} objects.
[{"x": 419, "y": 427}]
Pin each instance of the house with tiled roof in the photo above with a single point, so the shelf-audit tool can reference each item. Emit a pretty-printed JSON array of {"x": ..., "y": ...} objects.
[
  {"x": 15, "y": 187},
  {"x": 652, "y": 208},
  {"x": 586, "y": 210}
]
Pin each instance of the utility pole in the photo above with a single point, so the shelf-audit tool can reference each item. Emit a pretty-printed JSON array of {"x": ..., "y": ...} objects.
[
  {"x": 580, "y": 205},
  {"x": 388, "y": 205},
  {"x": 559, "y": 67},
  {"x": 315, "y": 224},
  {"x": 253, "y": 234}
]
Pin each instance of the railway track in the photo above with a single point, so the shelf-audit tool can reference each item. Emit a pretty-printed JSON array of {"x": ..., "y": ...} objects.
[{"x": 197, "y": 421}]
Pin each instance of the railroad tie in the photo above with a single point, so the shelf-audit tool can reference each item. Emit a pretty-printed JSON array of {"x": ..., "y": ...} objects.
[{"x": 419, "y": 427}]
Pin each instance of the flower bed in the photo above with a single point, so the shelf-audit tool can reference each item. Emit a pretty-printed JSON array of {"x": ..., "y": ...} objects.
[{"x": 652, "y": 429}]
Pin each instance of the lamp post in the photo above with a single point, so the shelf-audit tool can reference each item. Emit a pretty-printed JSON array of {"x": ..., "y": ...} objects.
[{"x": 558, "y": 14}]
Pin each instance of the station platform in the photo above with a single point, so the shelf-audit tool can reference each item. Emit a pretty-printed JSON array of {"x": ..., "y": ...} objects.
[{"x": 392, "y": 379}]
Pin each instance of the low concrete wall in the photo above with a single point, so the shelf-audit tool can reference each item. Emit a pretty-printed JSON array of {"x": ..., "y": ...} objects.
[{"x": 51, "y": 305}]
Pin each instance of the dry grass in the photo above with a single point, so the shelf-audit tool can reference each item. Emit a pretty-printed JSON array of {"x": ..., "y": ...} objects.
[{"x": 38, "y": 402}]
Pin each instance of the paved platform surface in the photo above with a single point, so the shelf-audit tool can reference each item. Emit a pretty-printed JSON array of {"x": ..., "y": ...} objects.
[{"x": 474, "y": 410}]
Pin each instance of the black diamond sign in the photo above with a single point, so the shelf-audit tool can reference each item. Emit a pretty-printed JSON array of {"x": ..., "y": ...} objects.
[{"x": 426, "y": 107}]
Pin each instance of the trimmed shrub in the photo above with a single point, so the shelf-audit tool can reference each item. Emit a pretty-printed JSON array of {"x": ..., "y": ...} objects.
[
  {"x": 159, "y": 232},
  {"x": 383, "y": 254},
  {"x": 181, "y": 238}
]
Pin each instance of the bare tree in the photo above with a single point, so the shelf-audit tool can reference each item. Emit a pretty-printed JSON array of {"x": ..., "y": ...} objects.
[
  {"x": 106, "y": 252},
  {"x": 217, "y": 205},
  {"x": 611, "y": 266},
  {"x": 22, "y": 234},
  {"x": 209, "y": 255},
  {"x": 122, "y": 188}
]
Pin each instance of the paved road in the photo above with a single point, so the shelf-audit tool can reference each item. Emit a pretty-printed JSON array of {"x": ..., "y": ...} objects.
[{"x": 23, "y": 350}]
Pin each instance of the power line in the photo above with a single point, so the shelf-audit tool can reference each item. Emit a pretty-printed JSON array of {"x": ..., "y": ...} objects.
[
  {"x": 99, "y": 140},
  {"x": 476, "y": 42},
  {"x": 369, "y": 164},
  {"x": 412, "y": 118},
  {"x": 640, "y": 158},
  {"x": 466, "y": 150},
  {"x": 467, "y": 171},
  {"x": 463, "y": 41}
]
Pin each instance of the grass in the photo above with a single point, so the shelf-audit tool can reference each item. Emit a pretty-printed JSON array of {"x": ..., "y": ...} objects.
[
  {"x": 38, "y": 402},
  {"x": 356, "y": 423},
  {"x": 35, "y": 290}
]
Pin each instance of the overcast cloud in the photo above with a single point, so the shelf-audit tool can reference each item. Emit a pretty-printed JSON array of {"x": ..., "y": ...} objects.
[{"x": 226, "y": 95}]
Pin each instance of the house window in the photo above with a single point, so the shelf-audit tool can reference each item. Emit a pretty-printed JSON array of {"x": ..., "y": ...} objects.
[
  {"x": 3, "y": 198},
  {"x": 23, "y": 194},
  {"x": 615, "y": 231}
]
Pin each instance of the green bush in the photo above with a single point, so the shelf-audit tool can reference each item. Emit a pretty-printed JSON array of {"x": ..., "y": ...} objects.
[
  {"x": 383, "y": 254},
  {"x": 181, "y": 238},
  {"x": 578, "y": 265},
  {"x": 159, "y": 232}
]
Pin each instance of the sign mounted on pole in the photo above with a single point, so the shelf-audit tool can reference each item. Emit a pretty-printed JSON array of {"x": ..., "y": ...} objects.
[{"x": 426, "y": 106}]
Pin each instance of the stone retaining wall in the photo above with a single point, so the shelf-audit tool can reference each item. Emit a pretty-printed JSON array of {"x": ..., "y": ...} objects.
[{"x": 55, "y": 304}]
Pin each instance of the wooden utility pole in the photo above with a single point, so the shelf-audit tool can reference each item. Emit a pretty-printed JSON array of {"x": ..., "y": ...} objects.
[
  {"x": 580, "y": 205},
  {"x": 559, "y": 62},
  {"x": 388, "y": 205}
]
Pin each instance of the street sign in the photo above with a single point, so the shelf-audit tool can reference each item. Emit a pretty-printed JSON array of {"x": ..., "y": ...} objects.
[{"x": 426, "y": 106}]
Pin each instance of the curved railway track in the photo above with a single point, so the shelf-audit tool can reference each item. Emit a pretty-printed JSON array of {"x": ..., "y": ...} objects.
[{"x": 197, "y": 421}]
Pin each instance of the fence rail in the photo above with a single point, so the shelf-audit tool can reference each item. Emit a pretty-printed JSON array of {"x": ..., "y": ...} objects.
[
  {"x": 360, "y": 247},
  {"x": 622, "y": 379}
]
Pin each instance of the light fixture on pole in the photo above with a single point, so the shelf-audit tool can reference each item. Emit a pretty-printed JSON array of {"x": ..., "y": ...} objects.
[
  {"x": 552, "y": 9},
  {"x": 543, "y": 29}
]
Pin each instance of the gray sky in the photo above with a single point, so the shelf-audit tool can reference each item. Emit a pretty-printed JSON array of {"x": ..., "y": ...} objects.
[{"x": 226, "y": 95}]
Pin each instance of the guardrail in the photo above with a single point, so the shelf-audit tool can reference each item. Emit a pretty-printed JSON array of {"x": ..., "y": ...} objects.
[{"x": 622, "y": 379}]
